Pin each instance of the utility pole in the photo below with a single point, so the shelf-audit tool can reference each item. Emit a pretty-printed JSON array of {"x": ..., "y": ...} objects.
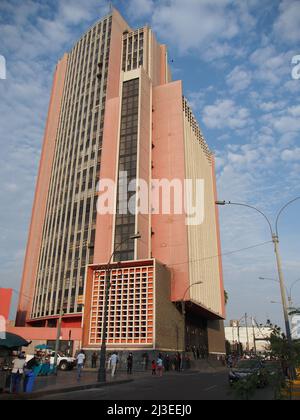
[
  {"x": 108, "y": 270},
  {"x": 275, "y": 240},
  {"x": 254, "y": 336},
  {"x": 239, "y": 339},
  {"x": 59, "y": 323},
  {"x": 247, "y": 332},
  {"x": 282, "y": 288},
  {"x": 183, "y": 310}
]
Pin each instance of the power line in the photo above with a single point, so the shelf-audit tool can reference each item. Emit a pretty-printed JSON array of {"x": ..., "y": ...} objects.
[
  {"x": 225, "y": 253},
  {"x": 190, "y": 261}
]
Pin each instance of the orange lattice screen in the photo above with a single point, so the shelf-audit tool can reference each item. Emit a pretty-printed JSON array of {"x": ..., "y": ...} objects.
[{"x": 131, "y": 307}]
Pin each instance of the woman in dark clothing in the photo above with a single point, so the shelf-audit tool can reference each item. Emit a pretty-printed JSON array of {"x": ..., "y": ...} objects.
[
  {"x": 94, "y": 360},
  {"x": 129, "y": 363}
]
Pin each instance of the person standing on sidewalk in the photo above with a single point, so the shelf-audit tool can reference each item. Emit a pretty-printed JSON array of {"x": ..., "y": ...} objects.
[
  {"x": 80, "y": 364},
  {"x": 167, "y": 363},
  {"x": 17, "y": 373},
  {"x": 94, "y": 360},
  {"x": 129, "y": 364},
  {"x": 30, "y": 375},
  {"x": 153, "y": 367},
  {"x": 160, "y": 365},
  {"x": 113, "y": 362}
]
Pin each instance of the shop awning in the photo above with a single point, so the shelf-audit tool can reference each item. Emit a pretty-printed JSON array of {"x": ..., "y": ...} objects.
[{"x": 12, "y": 341}]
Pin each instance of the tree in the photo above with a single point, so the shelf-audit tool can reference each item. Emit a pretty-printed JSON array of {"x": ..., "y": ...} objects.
[
  {"x": 294, "y": 311},
  {"x": 226, "y": 296}
]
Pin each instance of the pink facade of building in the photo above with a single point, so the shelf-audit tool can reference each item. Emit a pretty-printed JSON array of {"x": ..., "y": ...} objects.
[
  {"x": 5, "y": 302},
  {"x": 115, "y": 109}
]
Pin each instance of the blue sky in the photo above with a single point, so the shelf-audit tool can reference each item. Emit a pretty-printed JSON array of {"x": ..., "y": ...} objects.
[{"x": 234, "y": 58}]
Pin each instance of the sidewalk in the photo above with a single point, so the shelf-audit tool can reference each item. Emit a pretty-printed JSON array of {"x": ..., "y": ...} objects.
[
  {"x": 295, "y": 390},
  {"x": 67, "y": 382}
]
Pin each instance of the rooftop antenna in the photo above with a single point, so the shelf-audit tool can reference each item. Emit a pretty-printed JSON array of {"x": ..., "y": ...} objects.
[{"x": 111, "y": 7}]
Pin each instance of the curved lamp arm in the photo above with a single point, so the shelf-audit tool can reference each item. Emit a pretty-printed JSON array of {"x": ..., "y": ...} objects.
[
  {"x": 134, "y": 237},
  {"x": 194, "y": 284},
  {"x": 276, "y": 281},
  {"x": 282, "y": 210},
  {"x": 224, "y": 203},
  {"x": 292, "y": 286}
]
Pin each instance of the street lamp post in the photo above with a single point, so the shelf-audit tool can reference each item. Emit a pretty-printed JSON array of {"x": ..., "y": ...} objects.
[
  {"x": 183, "y": 310},
  {"x": 102, "y": 367},
  {"x": 59, "y": 322},
  {"x": 275, "y": 240},
  {"x": 289, "y": 291}
]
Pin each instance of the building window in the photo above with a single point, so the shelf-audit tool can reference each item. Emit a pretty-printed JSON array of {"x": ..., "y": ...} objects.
[{"x": 125, "y": 226}]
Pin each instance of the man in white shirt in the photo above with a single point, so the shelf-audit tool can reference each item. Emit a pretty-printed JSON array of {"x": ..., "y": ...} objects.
[
  {"x": 80, "y": 364},
  {"x": 113, "y": 361},
  {"x": 17, "y": 373}
]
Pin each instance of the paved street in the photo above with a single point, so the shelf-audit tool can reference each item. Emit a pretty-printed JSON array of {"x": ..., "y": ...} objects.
[{"x": 175, "y": 387}]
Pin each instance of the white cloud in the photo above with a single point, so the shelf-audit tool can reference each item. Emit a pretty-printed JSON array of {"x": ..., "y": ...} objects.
[
  {"x": 140, "y": 8},
  {"x": 271, "y": 106},
  {"x": 239, "y": 79},
  {"x": 271, "y": 66},
  {"x": 225, "y": 114},
  {"x": 287, "y": 26},
  {"x": 194, "y": 24},
  {"x": 288, "y": 121},
  {"x": 291, "y": 155}
]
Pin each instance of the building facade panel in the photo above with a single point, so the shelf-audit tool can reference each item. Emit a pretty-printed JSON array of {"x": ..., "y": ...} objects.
[
  {"x": 40, "y": 200},
  {"x": 144, "y": 168},
  {"x": 71, "y": 207},
  {"x": 202, "y": 230},
  {"x": 5, "y": 302},
  {"x": 170, "y": 239},
  {"x": 131, "y": 306}
]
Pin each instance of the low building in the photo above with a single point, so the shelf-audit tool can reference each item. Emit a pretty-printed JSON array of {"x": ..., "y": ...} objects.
[
  {"x": 251, "y": 338},
  {"x": 70, "y": 338},
  {"x": 5, "y": 302},
  {"x": 296, "y": 327}
]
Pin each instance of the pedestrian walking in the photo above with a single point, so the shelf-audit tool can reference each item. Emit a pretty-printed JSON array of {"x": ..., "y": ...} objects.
[
  {"x": 194, "y": 352},
  {"x": 113, "y": 362},
  {"x": 145, "y": 361},
  {"x": 153, "y": 367},
  {"x": 178, "y": 362},
  {"x": 30, "y": 375},
  {"x": 94, "y": 360},
  {"x": 167, "y": 363},
  {"x": 160, "y": 365},
  {"x": 129, "y": 364},
  {"x": 80, "y": 364},
  {"x": 17, "y": 373}
]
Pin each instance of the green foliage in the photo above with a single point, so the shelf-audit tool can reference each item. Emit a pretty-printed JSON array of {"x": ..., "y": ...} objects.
[
  {"x": 245, "y": 389},
  {"x": 281, "y": 349},
  {"x": 294, "y": 311},
  {"x": 228, "y": 347},
  {"x": 226, "y": 296},
  {"x": 288, "y": 355}
]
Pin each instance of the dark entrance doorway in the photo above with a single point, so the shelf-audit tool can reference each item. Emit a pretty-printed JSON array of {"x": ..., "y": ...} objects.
[{"x": 196, "y": 335}]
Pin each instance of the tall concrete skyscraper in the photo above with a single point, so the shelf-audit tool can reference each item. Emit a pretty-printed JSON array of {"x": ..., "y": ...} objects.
[{"x": 115, "y": 110}]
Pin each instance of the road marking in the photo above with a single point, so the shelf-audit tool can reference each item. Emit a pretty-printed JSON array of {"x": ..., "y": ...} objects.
[{"x": 211, "y": 388}]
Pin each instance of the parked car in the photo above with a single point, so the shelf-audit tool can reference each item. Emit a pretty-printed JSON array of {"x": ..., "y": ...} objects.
[
  {"x": 247, "y": 368},
  {"x": 64, "y": 362}
]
